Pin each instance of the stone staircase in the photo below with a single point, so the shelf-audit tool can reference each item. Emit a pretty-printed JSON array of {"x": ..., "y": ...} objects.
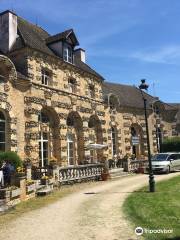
[{"x": 117, "y": 173}]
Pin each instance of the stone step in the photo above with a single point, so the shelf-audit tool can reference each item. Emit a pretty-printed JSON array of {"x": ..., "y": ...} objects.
[
  {"x": 117, "y": 172},
  {"x": 45, "y": 191}
]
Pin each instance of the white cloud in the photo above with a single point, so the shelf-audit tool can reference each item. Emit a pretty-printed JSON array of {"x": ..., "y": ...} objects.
[{"x": 167, "y": 55}]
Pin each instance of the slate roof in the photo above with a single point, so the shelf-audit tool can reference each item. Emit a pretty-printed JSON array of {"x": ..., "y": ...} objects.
[
  {"x": 130, "y": 96},
  {"x": 177, "y": 106},
  {"x": 35, "y": 37},
  {"x": 62, "y": 36}
]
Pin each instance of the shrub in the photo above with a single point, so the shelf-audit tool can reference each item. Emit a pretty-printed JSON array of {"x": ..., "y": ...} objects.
[
  {"x": 171, "y": 145},
  {"x": 12, "y": 157}
]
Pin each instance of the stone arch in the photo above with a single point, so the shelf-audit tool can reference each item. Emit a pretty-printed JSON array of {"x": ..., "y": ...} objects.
[
  {"x": 49, "y": 135},
  {"x": 137, "y": 140},
  {"x": 7, "y": 68},
  {"x": 11, "y": 126},
  {"x": 75, "y": 129}
]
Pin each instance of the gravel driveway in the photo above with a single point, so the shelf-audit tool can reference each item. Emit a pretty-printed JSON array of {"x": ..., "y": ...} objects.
[{"x": 93, "y": 213}]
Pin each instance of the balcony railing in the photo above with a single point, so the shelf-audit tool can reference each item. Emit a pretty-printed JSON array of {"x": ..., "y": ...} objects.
[
  {"x": 135, "y": 165},
  {"x": 80, "y": 173}
]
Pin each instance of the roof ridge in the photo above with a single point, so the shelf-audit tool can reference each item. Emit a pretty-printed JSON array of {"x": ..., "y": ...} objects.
[{"x": 114, "y": 83}]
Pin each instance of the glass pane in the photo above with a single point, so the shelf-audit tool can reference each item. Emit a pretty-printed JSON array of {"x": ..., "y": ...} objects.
[
  {"x": 2, "y": 147},
  {"x": 45, "y": 136},
  {"x": 45, "y": 146},
  {"x": 2, "y": 126},
  {"x": 2, "y": 117},
  {"x": 2, "y": 136}
]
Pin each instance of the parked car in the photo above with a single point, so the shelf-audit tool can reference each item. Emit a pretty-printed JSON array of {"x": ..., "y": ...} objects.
[{"x": 166, "y": 162}]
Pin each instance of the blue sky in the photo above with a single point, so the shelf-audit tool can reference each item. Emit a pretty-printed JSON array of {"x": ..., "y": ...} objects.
[{"x": 125, "y": 40}]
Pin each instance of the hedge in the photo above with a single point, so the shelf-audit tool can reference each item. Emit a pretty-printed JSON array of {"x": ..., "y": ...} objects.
[
  {"x": 12, "y": 157},
  {"x": 171, "y": 145}
]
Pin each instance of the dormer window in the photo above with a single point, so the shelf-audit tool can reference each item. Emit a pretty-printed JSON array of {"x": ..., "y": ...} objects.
[
  {"x": 72, "y": 85},
  {"x": 92, "y": 91},
  {"x": 45, "y": 77},
  {"x": 67, "y": 53}
]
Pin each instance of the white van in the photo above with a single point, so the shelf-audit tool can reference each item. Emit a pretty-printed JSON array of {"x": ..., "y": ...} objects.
[{"x": 166, "y": 162}]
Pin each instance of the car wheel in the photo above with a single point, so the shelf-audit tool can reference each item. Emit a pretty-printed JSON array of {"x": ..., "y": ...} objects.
[{"x": 168, "y": 170}]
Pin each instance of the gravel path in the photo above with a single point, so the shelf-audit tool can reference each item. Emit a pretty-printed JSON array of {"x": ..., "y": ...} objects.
[{"x": 93, "y": 213}]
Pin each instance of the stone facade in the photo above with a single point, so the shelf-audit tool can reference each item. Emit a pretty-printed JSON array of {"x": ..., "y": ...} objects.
[{"x": 54, "y": 109}]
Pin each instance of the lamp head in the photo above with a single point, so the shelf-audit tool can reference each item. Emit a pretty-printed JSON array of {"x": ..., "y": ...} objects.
[{"x": 143, "y": 85}]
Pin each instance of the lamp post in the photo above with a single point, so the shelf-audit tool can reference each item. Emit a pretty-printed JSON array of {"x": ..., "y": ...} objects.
[{"x": 144, "y": 86}]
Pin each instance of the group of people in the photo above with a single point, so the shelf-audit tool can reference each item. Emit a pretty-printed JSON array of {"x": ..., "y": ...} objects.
[{"x": 5, "y": 173}]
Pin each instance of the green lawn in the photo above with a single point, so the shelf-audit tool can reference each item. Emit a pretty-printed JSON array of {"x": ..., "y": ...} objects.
[{"x": 159, "y": 210}]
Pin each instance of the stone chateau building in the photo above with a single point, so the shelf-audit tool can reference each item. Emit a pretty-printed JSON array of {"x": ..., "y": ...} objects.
[{"x": 53, "y": 105}]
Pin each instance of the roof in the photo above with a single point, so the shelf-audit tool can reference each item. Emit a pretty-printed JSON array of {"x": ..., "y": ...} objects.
[
  {"x": 130, "y": 96},
  {"x": 177, "y": 106},
  {"x": 35, "y": 37},
  {"x": 63, "y": 36}
]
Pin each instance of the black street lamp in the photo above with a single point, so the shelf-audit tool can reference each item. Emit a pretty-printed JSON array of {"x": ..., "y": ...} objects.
[{"x": 144, "y": 86}]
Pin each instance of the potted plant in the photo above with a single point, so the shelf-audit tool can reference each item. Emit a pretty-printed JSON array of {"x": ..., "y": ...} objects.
[
  {"x": 53, "y": 162},
  {"x": 30, "y": 186},
  {"x": 105, "y": 174},
  {"x": 20, "y": 172},
  {"x": 45, "y": 180}
]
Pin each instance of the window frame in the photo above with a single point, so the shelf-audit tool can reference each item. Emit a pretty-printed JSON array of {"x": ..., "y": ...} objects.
[
  {"x": 68, "y": 53},
  {"x": 114, "y": 141},
  {"x": 72, "y": 84},
  {"x": 92, "y": 90},
  {"x": 70, "y": 141},
  {"x": 3, "y": 120},
  {"x": 46, "y": 77}
]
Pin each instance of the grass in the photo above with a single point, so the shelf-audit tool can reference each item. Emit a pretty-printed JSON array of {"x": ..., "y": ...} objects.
[
  {"x": 36, "y": 203},
  {"x": 159, "y": 210}
]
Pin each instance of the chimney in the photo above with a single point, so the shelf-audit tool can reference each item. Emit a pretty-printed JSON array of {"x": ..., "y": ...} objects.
[
  {"x": 8, "y": 30},
  {"x": 80, "y": 54}
]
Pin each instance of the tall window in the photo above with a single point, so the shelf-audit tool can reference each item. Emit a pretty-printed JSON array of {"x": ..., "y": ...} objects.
[
  {"x": 70, "y": 149},
  {"x": 67, "y": 54},
  {"x": 43, "y": 141},
  {"x": 92, "y": 91},
  {"x": 2, "y": 132},
  {"x": 45, "y": 77},
  {"x": 72, "y": 85},
  {"x": 113, "y": 138}
]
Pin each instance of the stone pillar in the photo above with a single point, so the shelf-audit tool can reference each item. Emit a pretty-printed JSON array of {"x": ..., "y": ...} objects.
[
  {"x": 23, "y": 189},
  {"x": 28, "y": 172}
]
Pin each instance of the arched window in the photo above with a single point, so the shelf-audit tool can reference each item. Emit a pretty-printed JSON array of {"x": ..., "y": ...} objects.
[
  {"x": 114, "y": 142},
  {"x": 2, "y": 132}
]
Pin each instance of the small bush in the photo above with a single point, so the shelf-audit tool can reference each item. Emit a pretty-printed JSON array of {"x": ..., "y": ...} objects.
[
  {"x": 171, "y": 145},
  {"x": 12, "y": 157}
]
